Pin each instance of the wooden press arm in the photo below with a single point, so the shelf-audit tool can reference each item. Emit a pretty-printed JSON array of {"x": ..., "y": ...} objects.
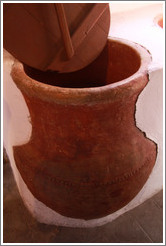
[
  {"x": 71, "y": 43},
  {"x": 64, "y": 30}
]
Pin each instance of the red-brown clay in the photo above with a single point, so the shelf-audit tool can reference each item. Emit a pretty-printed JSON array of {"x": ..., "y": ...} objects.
[
  {"x": 52, "y": 36},
  {"x": 86, "y": 158},
  {"x": 159, "y": 20}
]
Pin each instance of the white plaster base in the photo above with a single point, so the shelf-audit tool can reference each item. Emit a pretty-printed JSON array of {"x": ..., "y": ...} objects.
[
  {"x": 46, "y": 215},
  {"x": 149, "y": 118}
]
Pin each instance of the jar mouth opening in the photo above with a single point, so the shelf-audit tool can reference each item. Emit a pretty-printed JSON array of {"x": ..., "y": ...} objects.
[
  {"x": 119, "y": 60},
  {"x": 120, "y": 76}
]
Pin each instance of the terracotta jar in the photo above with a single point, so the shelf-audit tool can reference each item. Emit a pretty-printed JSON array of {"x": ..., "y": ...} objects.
[{"x": 86, "y": 158}]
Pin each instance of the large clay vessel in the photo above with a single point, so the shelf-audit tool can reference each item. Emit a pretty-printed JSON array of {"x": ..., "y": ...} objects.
[{"x": 86, "y": 158}]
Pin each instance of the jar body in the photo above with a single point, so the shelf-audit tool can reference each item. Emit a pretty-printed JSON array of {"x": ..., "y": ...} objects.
[{"x": 85, "y": 158}]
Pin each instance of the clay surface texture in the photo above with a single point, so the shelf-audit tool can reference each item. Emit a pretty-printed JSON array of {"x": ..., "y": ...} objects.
[{"x": 86, "y": 158}]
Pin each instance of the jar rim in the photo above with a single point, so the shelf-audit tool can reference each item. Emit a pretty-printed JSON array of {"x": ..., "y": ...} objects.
[{"x": 90, "y": 95}]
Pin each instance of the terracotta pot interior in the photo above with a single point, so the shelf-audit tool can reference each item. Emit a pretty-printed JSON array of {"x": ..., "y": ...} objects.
[{"x": 117, "y": 61}]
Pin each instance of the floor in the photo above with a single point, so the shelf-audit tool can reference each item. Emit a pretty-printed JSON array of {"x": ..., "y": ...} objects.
[{"x": 143, "y": 224}]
